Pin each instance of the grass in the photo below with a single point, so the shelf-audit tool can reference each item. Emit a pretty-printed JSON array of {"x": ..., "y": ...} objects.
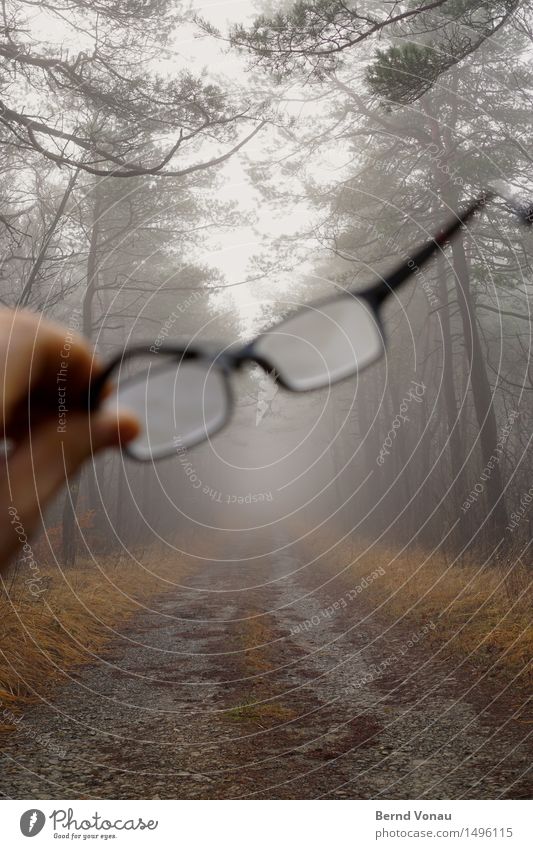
[
  {"x": 481, "y": 610},
  {"x": 259, "y": 712},
  {"x": 261, "y": 705},
  {"x": 59, "y": 621}
]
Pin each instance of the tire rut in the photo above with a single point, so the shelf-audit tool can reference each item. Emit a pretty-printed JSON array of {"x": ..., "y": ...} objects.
[{"x": 276, "y": 692}]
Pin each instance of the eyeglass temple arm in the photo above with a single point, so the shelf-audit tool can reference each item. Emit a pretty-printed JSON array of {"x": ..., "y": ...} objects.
[{"x": 380, "y": 290}]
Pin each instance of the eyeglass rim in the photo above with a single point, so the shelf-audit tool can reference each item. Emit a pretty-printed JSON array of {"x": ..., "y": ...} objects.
[
  {"x": 225, "y": 361},
  {"x": 167, "y": 451},
  {"x": 374, "y": 295},
  {"x": 234, "y": 356}
]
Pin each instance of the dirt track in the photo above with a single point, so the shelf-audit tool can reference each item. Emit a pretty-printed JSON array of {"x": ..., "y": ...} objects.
[{"x": 224, "y": 691}]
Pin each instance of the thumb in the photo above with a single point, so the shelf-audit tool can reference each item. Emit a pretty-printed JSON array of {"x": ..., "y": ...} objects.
[
  {"x": 108, "y": 428},
  {"x": 43, "y": 461}
]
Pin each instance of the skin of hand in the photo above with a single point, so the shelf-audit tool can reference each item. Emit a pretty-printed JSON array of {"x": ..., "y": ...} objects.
[{"x": 46, "y": 447}]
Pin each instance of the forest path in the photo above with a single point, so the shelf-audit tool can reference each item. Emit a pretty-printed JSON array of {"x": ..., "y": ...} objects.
[{"x": 281, "y": 689}]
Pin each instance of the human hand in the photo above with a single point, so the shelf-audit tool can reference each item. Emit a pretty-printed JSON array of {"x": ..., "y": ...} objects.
[{"x": 45, "y": 371}]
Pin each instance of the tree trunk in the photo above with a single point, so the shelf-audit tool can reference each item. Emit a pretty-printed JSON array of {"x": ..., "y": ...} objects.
[
  {"x": 481, "y": 391},
  {"x": 47, "y": 238},
  {"x": 70, "y": 528},
  {"x": 69, "y": 531},
  {"x": 92, "y": 269},
  {"x": 371, "y": 433},
  {"x": 453, "y": 416}
]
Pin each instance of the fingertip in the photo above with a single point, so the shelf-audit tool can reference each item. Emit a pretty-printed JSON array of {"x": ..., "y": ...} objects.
[
  {"x": 128, "y": 426},
  {"x": 113, "y": 429}
]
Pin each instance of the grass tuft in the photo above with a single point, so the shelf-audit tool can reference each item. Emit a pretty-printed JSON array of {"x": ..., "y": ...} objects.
[
  {"x": 481, "y": 610},
  {"x": 61, "y": 620}
]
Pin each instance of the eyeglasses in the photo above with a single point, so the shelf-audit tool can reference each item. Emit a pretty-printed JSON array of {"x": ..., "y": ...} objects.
[{"x": 182, "y": 394}]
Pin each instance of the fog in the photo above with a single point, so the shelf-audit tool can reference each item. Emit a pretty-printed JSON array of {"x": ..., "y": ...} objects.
[
  {"x": 346, "y": 174},
  {"x": 330, "y": 591}
]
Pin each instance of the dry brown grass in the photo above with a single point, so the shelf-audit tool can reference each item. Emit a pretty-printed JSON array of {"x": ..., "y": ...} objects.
[
  {"x": 256, "y": 638},
  {"x": 480, "y": 610},
  {"x": 68, "y": 620},
  {"x": 265, "y": 714},
  {"x": 261, "y": 704}
]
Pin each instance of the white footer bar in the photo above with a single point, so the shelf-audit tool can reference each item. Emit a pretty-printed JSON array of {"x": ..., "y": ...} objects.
[{"x": 266, "y": 824}]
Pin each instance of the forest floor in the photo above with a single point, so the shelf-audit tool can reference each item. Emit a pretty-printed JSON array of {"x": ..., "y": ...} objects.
[{"x": 264, "y": 679}]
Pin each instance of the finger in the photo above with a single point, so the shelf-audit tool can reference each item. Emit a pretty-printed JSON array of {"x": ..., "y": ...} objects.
[
  {"x": 42, "y": 358},
  {"x": 40, "y": 464}
]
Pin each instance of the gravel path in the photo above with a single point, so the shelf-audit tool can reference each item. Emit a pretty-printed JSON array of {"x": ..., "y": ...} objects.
[{"x": 276, "y": 690}]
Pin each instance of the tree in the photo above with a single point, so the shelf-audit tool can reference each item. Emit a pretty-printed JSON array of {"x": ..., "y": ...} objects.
[
  {"x": 423, "y": 130},
  {"x": 101, "y": 106},
  {"x": 108, "y": 155},
  {"x": 315, "y": 37}
]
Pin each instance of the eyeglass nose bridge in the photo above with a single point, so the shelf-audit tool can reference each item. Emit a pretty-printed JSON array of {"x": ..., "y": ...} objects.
[
  {"x": 249, "y": 354},
  {"x": 236, "y": 357}
]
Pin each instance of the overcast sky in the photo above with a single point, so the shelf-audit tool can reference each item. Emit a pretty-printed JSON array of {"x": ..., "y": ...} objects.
[{"x": 228, "y": 251}]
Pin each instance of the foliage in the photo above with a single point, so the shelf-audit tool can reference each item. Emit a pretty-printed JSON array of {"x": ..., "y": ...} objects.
[
  {"x": 318, "y": 37},
  {"x": 404, "y": 74},
  {"x": 99, "y": 91}
]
